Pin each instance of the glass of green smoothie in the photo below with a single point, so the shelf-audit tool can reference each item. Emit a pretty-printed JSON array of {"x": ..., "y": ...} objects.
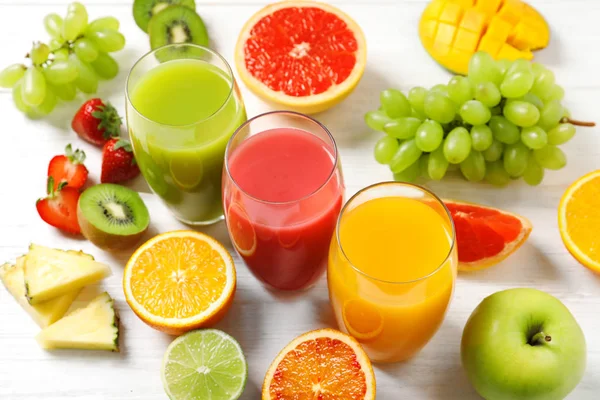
[{"x": 183, "y": 105}]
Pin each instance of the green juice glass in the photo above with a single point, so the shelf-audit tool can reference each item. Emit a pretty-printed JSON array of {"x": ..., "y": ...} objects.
[{"x": 183, "y": 105}]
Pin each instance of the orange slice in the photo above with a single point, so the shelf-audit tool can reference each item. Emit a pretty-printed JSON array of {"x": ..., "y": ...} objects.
[
  {"x": 579, "y": 220},
  {"x": 241, "y": 230},
  {"x": 325, "y": 364},
  {"x": 180, "y": 281},
  {"x": 485, "y": 235},
  {"x": 301, "y": 55},
  {"x": 362, "y": 319}
]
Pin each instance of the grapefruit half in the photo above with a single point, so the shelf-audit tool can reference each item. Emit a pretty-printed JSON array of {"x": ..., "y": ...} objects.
[
  {"x": 303, "y": 55},
  {"x": 485, "y": 235}
]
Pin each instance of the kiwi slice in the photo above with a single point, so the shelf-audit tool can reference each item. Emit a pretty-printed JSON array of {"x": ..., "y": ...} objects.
[
  {"x": 112, "y": 217},
  {"x": 144, "y": 10},
  {"x": 176, "y": 24}
]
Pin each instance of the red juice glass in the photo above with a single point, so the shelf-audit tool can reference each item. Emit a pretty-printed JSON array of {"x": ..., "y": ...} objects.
[{"x": 282, "y": 192}]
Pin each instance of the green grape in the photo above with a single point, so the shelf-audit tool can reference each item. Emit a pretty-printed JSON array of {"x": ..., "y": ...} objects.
[
  {"x": 560, "y": 134},
  {"x": 437, "y": 165},
  {"x": 85, "y": 49},
  {"x": 551, "y": 115},
  {"x": 376, "y": 120},
  {"x": 108, "y": 40},
  {"x": 457, "y": 145},
  {"x": 87, "y": 80},
  {"x": 533, "y": 99},
  {"x": 395, "y": 104},
  {"x": 55, "y": 44},
  {"x": 105, "y": 66},
  {"x": 39, "y": 53},
  {"x": 504, "y": 130},
  {"x": 429, "y": 135},
  {"x": 520, "y": 65},
  {"x": 407, "y": 154},
  {"x": 385, "y": 148},
  {"x": 48, "y": 104},
  {"x": 515, "y": 159},
  {"x": 537, "y": 68},
  {"x": 53, "y": 24},
  {"x": 460, "y": 89},
  {"x": 503, "y": 65},
  {"x": 416, "y": 98},
  {"x": 534, "y": 174},
  {"x": 424, "y": 166},
  {"x": 12, "y": 74},
  {"x": 494, "y": 152},
  {"x": 60, "y": 72},
  {"x": 557, "y": 93},
  {"x": 402, "y": 128},
  {"x": 33, "y": 89},
  {"x": 409, "y": 174},
  {"x": 61, "y": 55},
  {"x": 544, "y": 84},
  {"x": 475, "y": 112},
  {"x": 488, "y": 94},
  {"x": 483, "y": 68},
  {"x": 522, "y": 113},
  {"x": 481, "y": 137},
  {"x": 566, "y": 113},
  {"x": 66, "y": 92},
  {"x": 440, "y": 88},
  {"x": 18, "y": 98},
  {"x": 534, "y": 137},
  {"x": 473, "y": 167},
  {"x": 516, "y": 84},
  {"x": 416, "y": 114},
  {"x": 75, "y": 22},
  {"x": 103, "y": 23},
  {"x": 550, "y": 157},
  {"x": 495, "y": 173},
  {"x": 439, "y": 107}
]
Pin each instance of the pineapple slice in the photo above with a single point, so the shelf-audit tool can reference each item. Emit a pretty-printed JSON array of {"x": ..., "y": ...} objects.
[
  {"x": 50, "y": 273},
  {"x": 94, "y": 327},
  {"x": 43, "y": 314}
]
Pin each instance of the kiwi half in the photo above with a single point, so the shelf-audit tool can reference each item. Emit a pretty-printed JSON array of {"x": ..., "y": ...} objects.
[
  {"x": 144, "y": 10},
  {"x": 176, "y": 24},
  {"x": 112, "y": 217}
]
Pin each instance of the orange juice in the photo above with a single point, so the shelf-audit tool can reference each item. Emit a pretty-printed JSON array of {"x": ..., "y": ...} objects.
[{"x": 392, "y": 269}]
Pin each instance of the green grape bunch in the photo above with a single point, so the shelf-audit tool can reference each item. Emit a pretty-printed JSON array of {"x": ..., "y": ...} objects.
[
  {"x": 503, "y": 121},
  {"x": 75, "y": 59}
]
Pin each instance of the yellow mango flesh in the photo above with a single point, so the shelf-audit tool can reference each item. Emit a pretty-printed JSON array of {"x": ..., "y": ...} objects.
[{"x": 453, "y": 30}]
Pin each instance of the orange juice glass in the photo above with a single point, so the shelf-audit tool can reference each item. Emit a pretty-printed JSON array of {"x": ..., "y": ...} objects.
[{"x": 392, "y": 269}]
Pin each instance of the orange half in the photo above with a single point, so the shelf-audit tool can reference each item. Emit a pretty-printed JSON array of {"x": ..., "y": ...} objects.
[{"x": 179, "y": 281}]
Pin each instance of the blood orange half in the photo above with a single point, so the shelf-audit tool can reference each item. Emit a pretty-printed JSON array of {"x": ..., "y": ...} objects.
[
  {"x": 485, "y": 235},
  {"x": 303, "y": 55}
]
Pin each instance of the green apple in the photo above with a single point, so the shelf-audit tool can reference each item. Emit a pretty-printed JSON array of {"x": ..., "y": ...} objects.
[{"x": 523, "y": 344}]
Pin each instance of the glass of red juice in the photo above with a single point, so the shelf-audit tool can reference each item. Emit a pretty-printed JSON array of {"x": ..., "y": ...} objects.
[{"x": 282, "y": 192}]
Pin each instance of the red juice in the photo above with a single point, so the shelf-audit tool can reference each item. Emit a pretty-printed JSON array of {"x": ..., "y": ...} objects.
[{"x": 282, "y": 201}]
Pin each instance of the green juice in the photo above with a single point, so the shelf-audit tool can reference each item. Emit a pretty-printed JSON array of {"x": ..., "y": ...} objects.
[{"x": 181, "y": 115}]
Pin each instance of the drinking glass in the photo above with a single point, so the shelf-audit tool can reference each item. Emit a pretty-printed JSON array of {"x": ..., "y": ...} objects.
[
  {"x": 183, "y": 105},
  {"x": 283, "y": 237},
  {"x": 390, "y": 282}
]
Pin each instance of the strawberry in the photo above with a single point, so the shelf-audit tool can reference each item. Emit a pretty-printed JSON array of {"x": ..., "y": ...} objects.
[
  {"x": 97, "y": 121},
  {"x": 59, "y": 209},
  {"x": 118, "y": 163},
  {"x": 68, "y": 168}
]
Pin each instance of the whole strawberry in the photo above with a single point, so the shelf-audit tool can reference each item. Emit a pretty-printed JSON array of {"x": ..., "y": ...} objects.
[
  {"x": 118, "y": 162},
  {"x": 97, "y": 122}
]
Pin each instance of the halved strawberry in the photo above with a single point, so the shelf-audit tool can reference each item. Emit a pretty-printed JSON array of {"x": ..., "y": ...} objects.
[
  {"x": 69, "y": 168},
  {"x": 59, "y": 209}
]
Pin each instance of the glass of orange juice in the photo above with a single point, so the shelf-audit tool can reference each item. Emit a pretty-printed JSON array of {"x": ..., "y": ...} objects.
[{"x": 392, "y": 269}]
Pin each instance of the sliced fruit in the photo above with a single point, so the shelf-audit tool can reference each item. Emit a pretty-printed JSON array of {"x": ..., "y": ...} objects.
[
  {"x": 453, "y": 30},
  {"x": 485, "y": 235},
  {"x": 362, "y": 319},
  {"x": 579, "y": 218},
  {"x": 59, "y": 208},
  {"x": 241, "y": 230},
  {"x": 322, "y": 364},
  {"x": 302, "y": 55},
  {"x": 68, "y": 168},
  {"x": 94, "y": 327},
  {"x": 179, "y": 281},
  {"x": 43, "y": 314},
  {"x": 144, "y": 10},
  {"x": 49, "y": 273},
  {"x": 112, "y": 217},
  {"x": 204, "y": 364}
]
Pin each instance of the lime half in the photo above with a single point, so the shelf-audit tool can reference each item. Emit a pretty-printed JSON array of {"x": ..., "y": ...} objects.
[{"x": 204, "y": 365}]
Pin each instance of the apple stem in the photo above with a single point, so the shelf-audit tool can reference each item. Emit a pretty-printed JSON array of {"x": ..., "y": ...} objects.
[{"x": 540, "y": 338}]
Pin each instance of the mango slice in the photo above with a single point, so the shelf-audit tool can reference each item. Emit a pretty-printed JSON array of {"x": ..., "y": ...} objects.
[{"x": 453, "y": 30}]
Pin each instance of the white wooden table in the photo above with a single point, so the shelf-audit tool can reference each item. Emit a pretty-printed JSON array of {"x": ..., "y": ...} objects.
[{"x": 262, "y": 322}]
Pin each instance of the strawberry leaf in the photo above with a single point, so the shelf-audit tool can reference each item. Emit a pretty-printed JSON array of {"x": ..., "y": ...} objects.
[
  {"x": 110, "y": 121},
  {"x": 123, "y": 144}
]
